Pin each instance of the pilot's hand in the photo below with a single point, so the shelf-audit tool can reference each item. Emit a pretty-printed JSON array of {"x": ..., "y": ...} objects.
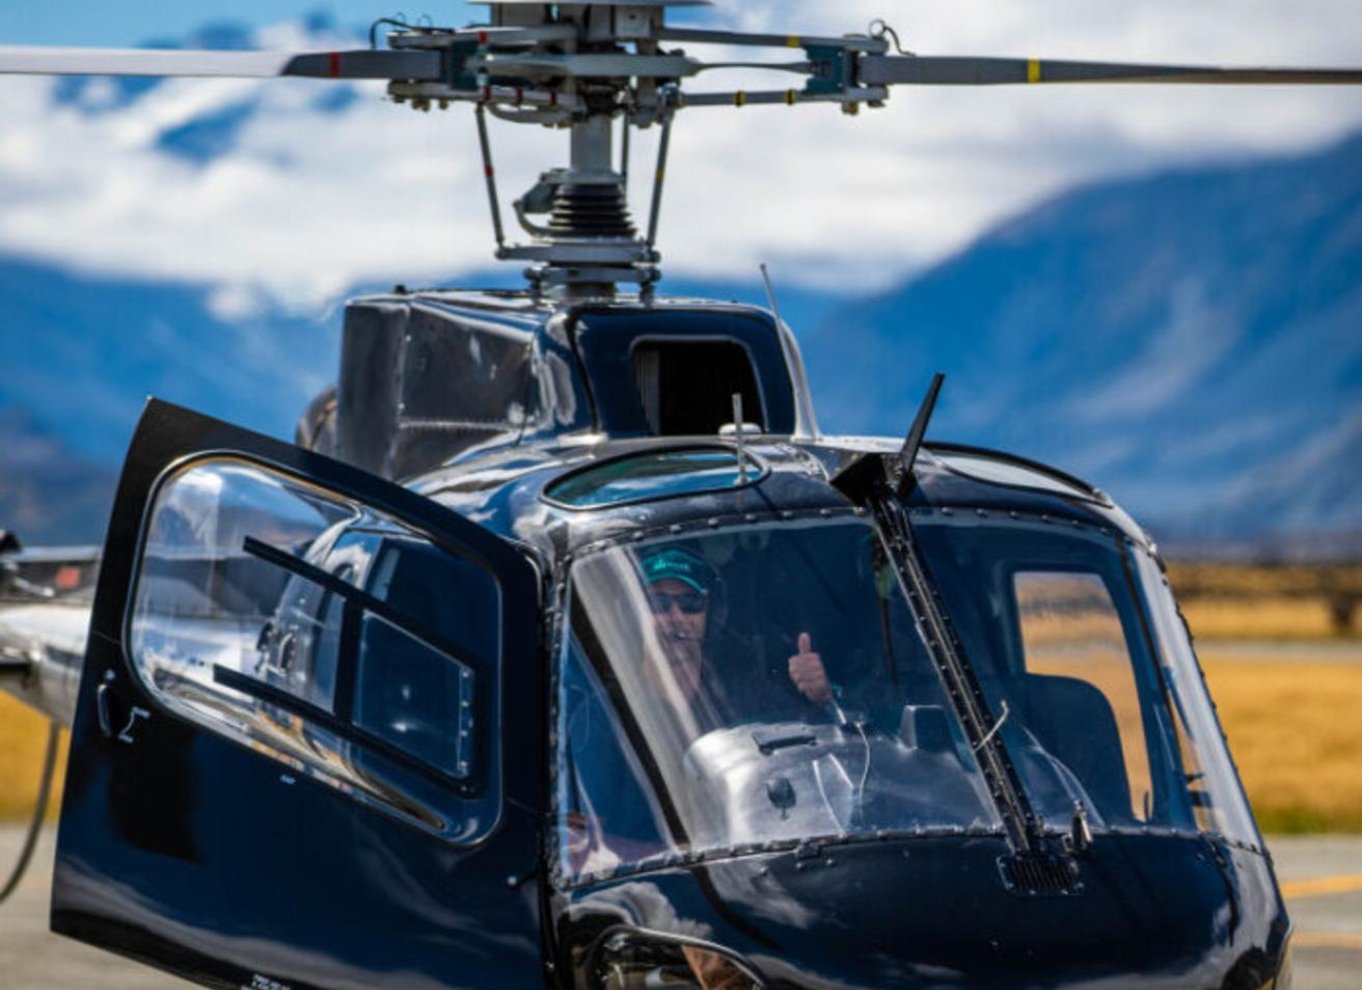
[
  {"x": 807, "y": 673},
  {"x": 712, "y": 971}
]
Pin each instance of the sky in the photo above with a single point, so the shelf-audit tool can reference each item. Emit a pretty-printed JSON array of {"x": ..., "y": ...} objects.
[
  {"x": 312, "y": 198},
  {"x": 129, "y": 23}
]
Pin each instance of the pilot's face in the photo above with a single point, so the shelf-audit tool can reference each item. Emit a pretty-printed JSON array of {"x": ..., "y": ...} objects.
[{"x": 680, "y": 614}]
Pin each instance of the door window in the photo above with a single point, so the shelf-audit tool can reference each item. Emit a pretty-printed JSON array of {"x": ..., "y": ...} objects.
[{"x": 335, "y": 638}]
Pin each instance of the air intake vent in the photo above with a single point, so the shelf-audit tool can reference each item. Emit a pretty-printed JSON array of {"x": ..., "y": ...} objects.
[
  {"x": 590, "y": 210},
  {"x": 1040, "y": 873}
]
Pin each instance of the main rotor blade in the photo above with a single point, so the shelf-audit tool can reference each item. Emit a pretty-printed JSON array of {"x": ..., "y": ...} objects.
[
  {"x": 360, "y": 64},
  {"x": 954, "y": 70}
]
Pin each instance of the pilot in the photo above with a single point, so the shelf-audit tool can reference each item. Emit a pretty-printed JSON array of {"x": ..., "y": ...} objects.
[
  {"x": 681, "y": 589},
  {"x": 684, "y": 597}
]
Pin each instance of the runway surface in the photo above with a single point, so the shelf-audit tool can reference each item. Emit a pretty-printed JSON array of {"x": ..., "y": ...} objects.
[{"x": 1321, "y": 877}]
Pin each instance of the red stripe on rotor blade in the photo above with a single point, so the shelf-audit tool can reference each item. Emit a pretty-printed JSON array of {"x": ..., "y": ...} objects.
[{"x": 334, "y": 65}]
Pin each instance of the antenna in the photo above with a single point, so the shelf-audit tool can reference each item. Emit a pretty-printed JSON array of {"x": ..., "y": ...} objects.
[
  {"x": 806, "y": 425},
  {"x": 770, "y": 292},
  {"x": 742, "y": 444}
]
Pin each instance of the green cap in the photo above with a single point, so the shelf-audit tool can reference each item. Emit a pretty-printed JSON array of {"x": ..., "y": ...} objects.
[{"x": 680, "y": 565}]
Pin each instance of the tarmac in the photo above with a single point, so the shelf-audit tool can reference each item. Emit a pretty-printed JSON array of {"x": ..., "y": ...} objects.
[{"x": 1321, "y": 877}]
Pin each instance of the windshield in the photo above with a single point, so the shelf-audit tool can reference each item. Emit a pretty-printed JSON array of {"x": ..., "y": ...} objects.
[
  {"x": 1049, "y": 621},
  {"x": 767, "y": 684},
  {"x": 1074, "y": 630},
  {"x": 750, "y": 686}
]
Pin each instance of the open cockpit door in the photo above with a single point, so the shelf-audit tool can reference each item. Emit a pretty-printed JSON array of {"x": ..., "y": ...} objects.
[{"x": 293, "y": 763}]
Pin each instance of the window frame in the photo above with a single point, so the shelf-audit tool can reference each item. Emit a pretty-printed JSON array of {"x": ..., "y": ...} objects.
[{"x": 250, "y": 727}]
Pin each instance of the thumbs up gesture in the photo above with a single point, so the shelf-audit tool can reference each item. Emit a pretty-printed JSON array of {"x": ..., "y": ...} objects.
[{"x": 807, "y": 673}]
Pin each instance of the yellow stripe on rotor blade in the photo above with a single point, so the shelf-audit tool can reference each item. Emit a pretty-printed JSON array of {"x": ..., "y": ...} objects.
[
  {"x": 793, "y": 42},
  {"x": 1345, "y": 883},
  {"x": 1033, "y": 70}
]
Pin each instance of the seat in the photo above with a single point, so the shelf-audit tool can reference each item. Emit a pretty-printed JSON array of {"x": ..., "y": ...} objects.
[{"x": 1075, "y": 723}]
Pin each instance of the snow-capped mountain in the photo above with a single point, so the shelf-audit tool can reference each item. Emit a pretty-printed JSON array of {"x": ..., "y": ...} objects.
[{"x": 1190, "y": 340}]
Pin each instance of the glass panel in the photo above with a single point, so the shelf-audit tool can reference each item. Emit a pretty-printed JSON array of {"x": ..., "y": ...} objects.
[
  {"x": 1217, "y": 797},
  {"x": 1070, "y": 630},
  {"x": 415, "y": 697},
  {"x": 999, "y": 471},
  {"x": 203, "y": 602},
  {"x": 253, "y": 614},
  {"x": 764, "y": 684},
  {"x": 657, "y": 475},
  {"x": 1050, "y": 624}
]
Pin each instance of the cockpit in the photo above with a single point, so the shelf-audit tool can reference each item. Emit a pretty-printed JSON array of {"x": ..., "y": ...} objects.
[
  {"x": 745, "y": 661},
  {"x": 733, "y": 689}
]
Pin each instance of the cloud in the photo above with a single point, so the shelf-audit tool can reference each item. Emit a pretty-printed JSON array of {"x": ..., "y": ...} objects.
[{"x": 310, "y": 200}]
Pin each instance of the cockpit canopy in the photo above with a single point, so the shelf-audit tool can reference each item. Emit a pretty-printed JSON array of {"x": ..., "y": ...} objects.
[{"x": 689, "y": 723}]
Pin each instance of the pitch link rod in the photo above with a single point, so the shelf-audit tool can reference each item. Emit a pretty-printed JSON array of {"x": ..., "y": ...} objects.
[
  {"x": 855, "y": 43},
  {"x": 490, "y": 174},
  {"x": 655, "y": 210},
  {"x": 742, "y": 98}
]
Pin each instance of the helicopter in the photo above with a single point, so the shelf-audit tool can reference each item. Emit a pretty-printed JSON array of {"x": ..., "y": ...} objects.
[{"x": 562, "y": 648}]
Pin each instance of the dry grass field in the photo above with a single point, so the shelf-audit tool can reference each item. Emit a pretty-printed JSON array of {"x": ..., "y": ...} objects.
[
  {"x": 1235, "y": 601},
  {"x": 23, "y": 737},
  {"x": 1293, "y": 725},
  {"x": 1296, "y": 735},
  {"x": 1266, "y": 618}
]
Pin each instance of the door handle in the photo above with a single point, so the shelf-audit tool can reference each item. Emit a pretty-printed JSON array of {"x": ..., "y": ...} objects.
[
  {"x": 113, "y": 727},
  {"x": 102, "y": 710}
]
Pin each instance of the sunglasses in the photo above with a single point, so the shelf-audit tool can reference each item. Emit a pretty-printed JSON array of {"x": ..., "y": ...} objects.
[{"x": 690, "y": 602}]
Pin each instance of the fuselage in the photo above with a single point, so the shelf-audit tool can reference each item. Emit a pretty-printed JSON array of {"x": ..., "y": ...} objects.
[{"x": 780, "y": 728}]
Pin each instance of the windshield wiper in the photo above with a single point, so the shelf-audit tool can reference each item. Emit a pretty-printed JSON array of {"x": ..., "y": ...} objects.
[
  {"x": 980, "y": 726},
  {"x": 869, "y": 474},
  {"x": 881, "y": 482}
]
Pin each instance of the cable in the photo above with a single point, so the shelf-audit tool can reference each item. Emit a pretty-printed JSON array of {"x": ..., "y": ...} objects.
[
  {"x": 39, "y": 812},
  {"x": 858, "y": 810},
  {"x": 398, "y": 22},
  {"x": 879, "y": 29}
]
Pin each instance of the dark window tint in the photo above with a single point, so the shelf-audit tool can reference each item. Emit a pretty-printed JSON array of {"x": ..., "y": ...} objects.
[
  {"x": 686, "y": 387},
  {"x": 415, "y": 697},
  {"x": 673, "y": 372}
]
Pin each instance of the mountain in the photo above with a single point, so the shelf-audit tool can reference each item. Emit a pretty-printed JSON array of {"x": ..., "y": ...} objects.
[
  {"x": 80, "y": 354},
  {"x": 1189, "y": 341},
  {"x": 49, "y": 493}
]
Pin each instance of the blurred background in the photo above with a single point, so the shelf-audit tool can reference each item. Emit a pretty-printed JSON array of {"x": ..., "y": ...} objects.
[{"x": 1157, "y": 289}]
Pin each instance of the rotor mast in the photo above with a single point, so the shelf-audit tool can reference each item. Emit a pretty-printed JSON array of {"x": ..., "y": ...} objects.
[
  {"x": 589, "y": 242},
  {"x": 597, "y": 61}
]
